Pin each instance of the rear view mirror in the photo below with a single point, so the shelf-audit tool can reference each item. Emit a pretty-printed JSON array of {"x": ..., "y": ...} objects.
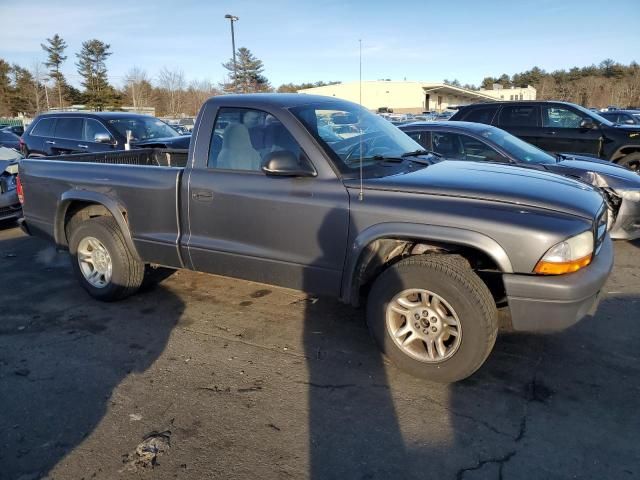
[
  {"x": 284, "y": 163},
  {"x": 587, "y": 124},
  {"x": 102, "y": 138}
]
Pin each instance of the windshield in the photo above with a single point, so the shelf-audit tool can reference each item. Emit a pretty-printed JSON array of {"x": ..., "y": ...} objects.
[
  {"x": 348, "y": 131},
  {"x": 518, "y": 149},
  {"x": 143, "y": 128}
]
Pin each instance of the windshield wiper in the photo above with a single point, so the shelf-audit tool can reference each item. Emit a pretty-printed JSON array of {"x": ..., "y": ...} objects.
[{"x": 417, "y": 153}]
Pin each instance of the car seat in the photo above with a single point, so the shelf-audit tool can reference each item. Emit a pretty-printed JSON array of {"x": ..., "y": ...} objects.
[{"x": 237, "y": 152}]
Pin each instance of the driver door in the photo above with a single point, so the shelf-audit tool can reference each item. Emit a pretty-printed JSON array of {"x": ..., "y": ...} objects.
[{"x": 289, "y": 231}]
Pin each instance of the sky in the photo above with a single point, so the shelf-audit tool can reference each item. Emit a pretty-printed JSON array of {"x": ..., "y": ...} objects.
[{"x": 306, "y": 41}]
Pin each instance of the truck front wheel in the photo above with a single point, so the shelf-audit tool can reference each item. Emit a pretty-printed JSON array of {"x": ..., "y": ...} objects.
[
  {"x": 433, "y": 317},
  {"x": 101, "y": 260}
]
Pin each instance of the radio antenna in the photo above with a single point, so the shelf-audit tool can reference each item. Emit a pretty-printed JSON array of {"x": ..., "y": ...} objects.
[{"x": 361, "y": 194}]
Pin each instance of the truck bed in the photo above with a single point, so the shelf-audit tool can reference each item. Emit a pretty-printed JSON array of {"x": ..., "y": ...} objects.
[
  {"x": 161, "y": 157},
  {"x": 143, "y": 185}
]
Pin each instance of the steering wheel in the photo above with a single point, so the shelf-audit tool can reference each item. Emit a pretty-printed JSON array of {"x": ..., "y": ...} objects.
[{"x": 370, "y": 147}]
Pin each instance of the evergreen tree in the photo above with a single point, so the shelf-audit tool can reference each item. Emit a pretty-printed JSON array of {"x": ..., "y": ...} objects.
[
  {"x": 21, "y": 99},
  {"x": 5, "y": 88},
  {"x": 92, "y": 67},
  {"x": 248, "y": 77},
  {"x": 487, "y": 83},
  {"x": 55, "y": 48}
]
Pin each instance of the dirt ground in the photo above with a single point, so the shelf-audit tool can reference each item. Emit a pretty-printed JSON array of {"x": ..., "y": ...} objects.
[{"x": 216, "y": 378}]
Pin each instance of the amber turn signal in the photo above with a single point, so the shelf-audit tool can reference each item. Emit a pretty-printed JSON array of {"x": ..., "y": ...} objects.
[{"x": 559, "y": 268}]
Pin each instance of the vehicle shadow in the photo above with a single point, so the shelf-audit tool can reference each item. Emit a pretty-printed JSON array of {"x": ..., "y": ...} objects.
[
  {"x": 353, "y": 426},
  {"x": 60, "y": 366}
]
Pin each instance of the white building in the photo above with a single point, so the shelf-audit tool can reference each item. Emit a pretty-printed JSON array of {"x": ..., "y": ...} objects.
[
  {"x": 513, "y": 93},
  {"x": 410, "y": 97}
]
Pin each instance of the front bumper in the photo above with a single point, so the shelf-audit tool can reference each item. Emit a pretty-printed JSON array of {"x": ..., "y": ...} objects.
[{"x": 548, "y": 303}]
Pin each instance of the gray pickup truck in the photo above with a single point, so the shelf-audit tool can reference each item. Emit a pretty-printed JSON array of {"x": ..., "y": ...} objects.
[{"x": 276, "y": 190}]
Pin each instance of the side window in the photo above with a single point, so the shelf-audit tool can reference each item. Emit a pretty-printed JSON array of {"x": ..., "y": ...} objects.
[
  {"x": 69, "y": 128},
  {"x": 479, "y": 151},
  {"x": 447, "y": 144},
  {"x": 242, "y": 139},
  {"x": 44, "y": 127},
  {"x": 481, "y": 115},
  {"x": 422, "y": 137},
  {"x": 519, "y": 116},
  {"x": 92, "y": 128},
  {"x": 560, "y": 117}
]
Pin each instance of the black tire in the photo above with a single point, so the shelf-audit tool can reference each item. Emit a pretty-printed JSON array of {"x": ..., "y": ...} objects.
[
  {"x": 450, "y": 277},
  {"x": 127, "y": 272},
  {"x": 631, "y": 161}
]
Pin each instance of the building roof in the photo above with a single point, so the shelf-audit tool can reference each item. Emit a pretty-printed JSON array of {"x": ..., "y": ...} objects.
[{"x": 428, "y": 87}]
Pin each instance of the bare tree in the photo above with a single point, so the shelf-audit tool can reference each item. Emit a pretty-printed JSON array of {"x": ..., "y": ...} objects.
[
  {"x": 39, "y": 91},
  {"x": 172, "y": 82},
  {"x": 138, "y": 87},
  {"x": 197, "y": 93}
]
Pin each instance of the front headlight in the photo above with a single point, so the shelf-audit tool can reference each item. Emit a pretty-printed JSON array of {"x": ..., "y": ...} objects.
[{"x": 568, "y": 256}]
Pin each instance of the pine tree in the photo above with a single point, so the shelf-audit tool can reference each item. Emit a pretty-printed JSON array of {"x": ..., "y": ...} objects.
[
  {"x": 92, "y": 67},
  {"x": 55, "y": 48},
  {"x": 248, "y": 77},
  {"x": 5, "y": 88},
  {"x": 21, "y": 99}
]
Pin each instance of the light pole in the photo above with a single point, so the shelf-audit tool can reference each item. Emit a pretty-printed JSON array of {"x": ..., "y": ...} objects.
[{"x": 233, "y": 18}]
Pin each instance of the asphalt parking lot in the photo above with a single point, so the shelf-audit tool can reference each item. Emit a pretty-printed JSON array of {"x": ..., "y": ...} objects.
[{"x": 233, "y": 379}]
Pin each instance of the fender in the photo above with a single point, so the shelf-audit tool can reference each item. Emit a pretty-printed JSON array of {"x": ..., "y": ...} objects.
[
  {"x": 116, "y": 210},
  {"x": 415, "y": 231}
]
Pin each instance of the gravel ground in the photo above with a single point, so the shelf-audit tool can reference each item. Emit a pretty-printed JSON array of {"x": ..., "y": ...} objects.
[{"x": 206, "y": 377}]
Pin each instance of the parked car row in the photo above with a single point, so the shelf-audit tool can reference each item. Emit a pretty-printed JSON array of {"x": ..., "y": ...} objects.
[
  {"x": 560, "y": 127},
  {"x": 62, "y": 133}
]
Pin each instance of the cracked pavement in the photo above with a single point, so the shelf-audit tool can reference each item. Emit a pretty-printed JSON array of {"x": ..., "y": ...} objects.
[{"x": 242, "y": 380}]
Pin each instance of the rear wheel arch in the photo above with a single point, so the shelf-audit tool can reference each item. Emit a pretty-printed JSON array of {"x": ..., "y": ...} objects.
[
  {"x": 75, "y": 207},
  {"x": 381, "y": 246}
]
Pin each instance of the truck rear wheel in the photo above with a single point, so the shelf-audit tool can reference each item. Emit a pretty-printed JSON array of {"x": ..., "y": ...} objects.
[
  {"x": 433, "y": 317},
  {"x": 101, "y": 260}
]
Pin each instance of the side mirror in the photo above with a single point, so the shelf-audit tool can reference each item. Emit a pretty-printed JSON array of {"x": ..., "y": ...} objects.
[
  {"x": 284, "y": 163},
  {"x": 587, "y": 124},
  {"x": 102, "y": 138}
]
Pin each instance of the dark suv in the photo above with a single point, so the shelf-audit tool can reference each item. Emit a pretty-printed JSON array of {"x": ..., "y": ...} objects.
[
  {"x": 60, "y": 133},
  {"x": 561, "y": 127}
]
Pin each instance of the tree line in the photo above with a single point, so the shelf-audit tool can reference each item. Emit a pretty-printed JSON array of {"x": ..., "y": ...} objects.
[
  {"x": 43, "y": 86},
  {"x": 608, "y": 83}
]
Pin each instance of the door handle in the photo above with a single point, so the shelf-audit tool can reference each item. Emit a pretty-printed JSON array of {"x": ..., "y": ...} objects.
[
  {"x": 202, "y": 195},
  {"x": 50, "y": 142},
  {"x": 551, "y": 133},
  {"x": 82, "y": 146}
]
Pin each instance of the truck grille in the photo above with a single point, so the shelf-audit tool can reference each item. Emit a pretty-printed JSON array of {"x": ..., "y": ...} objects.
[{"x": 601, "y": 227}]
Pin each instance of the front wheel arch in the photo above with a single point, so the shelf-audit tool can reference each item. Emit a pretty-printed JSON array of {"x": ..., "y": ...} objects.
[{"x": 389, "y": 238}]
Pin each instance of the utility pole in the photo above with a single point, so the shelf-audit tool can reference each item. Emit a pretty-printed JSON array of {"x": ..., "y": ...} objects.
[{"x": 233, "y": 18}]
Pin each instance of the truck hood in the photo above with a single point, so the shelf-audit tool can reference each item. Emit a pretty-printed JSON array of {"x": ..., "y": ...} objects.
[{"x": 500, "y": 183}]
